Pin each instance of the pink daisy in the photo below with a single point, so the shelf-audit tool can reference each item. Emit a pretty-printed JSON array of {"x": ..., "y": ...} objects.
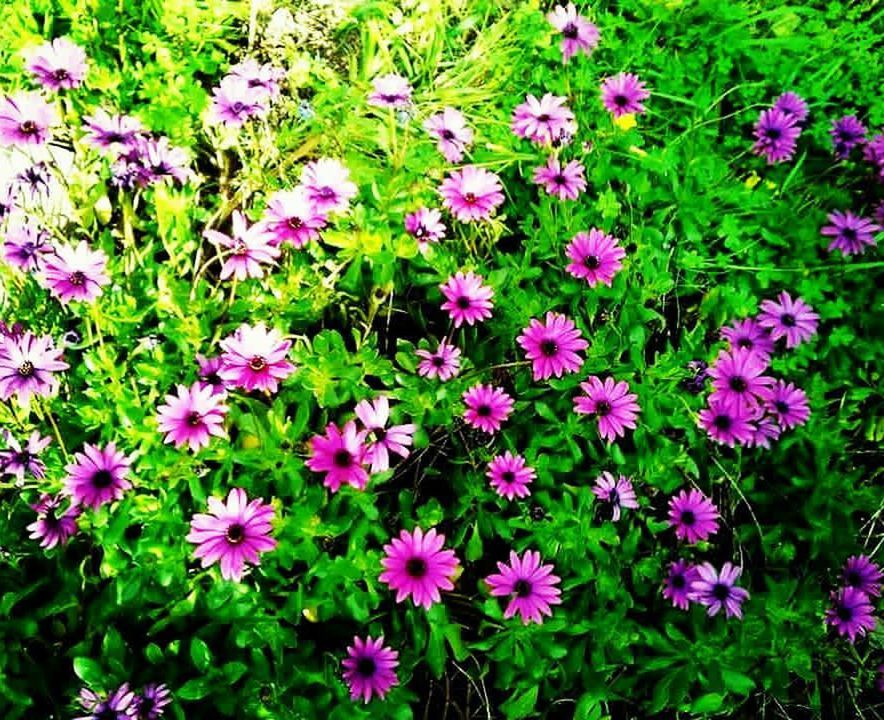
[
  {"x": 75, "y": 273},
  {"x": 444, "y": 363},
  {"x": 425, "y": 225},
  {"x": 738, "y": 378},
  {"x": 391, "y": 91},
  {"x": 622, "y": 94},
  {"x": 97, "y": 476},
  {"x": 370, "y": 668},
  {"x": 28, "y": 364},
  {"x": 254, "y": 358},
  {"x": 616, "y": 491},
  {"x": 26, "y": 119},
  {"x": 328, "y": 185},
  {"x": 53, "y": 527},
  {"x": 471, "y": 193},
  {"x": 613, "y": 404},
  {"x": 416, "y": 566},
  {"x": 531, "y": 587},
  {"x": 729, "y": 423},
  {"x": 339, "y": 454},
  {"x": 565, "y": 183},
  {"x": 192, "y": 416},
  {"x": 381, "y": 440},
  {"x": 794, "y": 320},
  {"x": 292, "y": 217},
  {"x": 578, "y": 33},
  {"x": 487, "y": 407},
  {"x": 467, "y": 299},
  {"x": 693, "y": 515},
  {"x": 59, "y": 64},
  {"x": 545, "y": 121},
  {"x": 787, "y": 404},
  {"x": 749, "y": 336},
  {"x": 510, "y": 475},
  {"x": 552, "y": 346},
  {"x": 595, "y": 257},
  {"x": 246, "y": 250},
  {"x": 454, "y": 136}
]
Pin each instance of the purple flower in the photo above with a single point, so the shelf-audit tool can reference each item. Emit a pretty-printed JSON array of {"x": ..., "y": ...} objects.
[
  {"x": 531, "y": 587},
  {"x": 425, "y": 225},
  {"x": 118, "y": 705},
  {"x": 391, "y": 91},
  {"x": 249, "y": 248},
  {"x": 26, "y": 119},
  {"x": 471, "y": 193},
  {"x": 488, "y": 407},
  {"x": 370, "y": 668},
  {"x": 616, "y": 492},
  {"x": 255, "y": 358},
  {"x": 35, "y": 180},
  {"x": 738, "y": 379},
  {"x": 873, "y": 153},
  {"x": 339, "y": 454},
  {"x": 97, "y": 476},
  {"x": 696, "y": 382},
  {"x": 292, "y": 217},
  {"x": 578, "y": 33},
  {"x": 264, "y": 77},
  {"x": 847, "y": 132},
  {"x": 112, "y": 132},
  {"x": 162, "y": 160},
  {"x": 850, "y": 233},
  {"x": 747, "y": 335},
  {"x": 862, "y": 574},
  {"x": 233, "y": 534},
  {"x": 209, "y": 369},
  {"x": 764, "y": 430},
  {"x": 28, "y": 364},
  {"x": 192, "y": 416},
  {"x": 566, "y": 182},
  {"x": 851, "y": 613},
  {"x": 544, "y": 121},
  {"x": 729, "y": 423},
  {"x": 452, "y": 132},
  {"x": 595, "y": 257},
  {"x": 622, "y": 94},
  {"x": 552, "y": 346},
  {"x": 693, "y": 515},
  {"x": 19, "y": 460},
  {"x": 57, "y": 64},
  {"x": 787, "y": 404},
  {"x": 328, "y": 185},
  {"x": 52, "y": 527},
  {"x": 150, "y": 704},
  {"x": 467, "y": 298},
  {"x": 8, "y": 194},
  {"x": 234, "y": 102},
  {"x": 25, "y": 246},
  {"x": 794, "y": 320},
  {"x": 717, "y": 590},
  {"x": 677, "y": 585},
  {"x": 510, "y": 475},
  {"x": 776, "y": 134},
  {"x": 611, "y": 402},
  {"x": 792, "y": 106},
  {"x": 380, "y": 439},
  {"x": 444, "y": 363},
  {"x": 416, "y": 566},
  {"x": 75, "y": 273}
]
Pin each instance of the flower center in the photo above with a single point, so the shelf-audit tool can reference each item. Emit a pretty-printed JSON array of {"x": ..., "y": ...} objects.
[
  {"x": 773, "y": 133},
  {"x": 845, "y": 614},
  {"x": 745, "y": 343},
  {"x": 508, "y": 476},
  {"x": 437, "y": 361},
  {"x": 688, "y": 517},
  {"x": 194, "y": 419},
  {"x": 483, "y": 410},
  {"x": 28, "y": 127},
  {"x": 738, "y": 384},
  {"x": 849, "y": 233},
  {"x": 145, "y": 706},
  {"x": 543, "y": 118},
  {"x": 721, "y": 592},
  {"x": 677, "y": 582},
  {"x": 236, "y": 533},
  {"x": 237, "y": 107},
  {"x": 722, "y": 422},
  {"x": 853, "y": 579},
  {"x": 592, "y": 262},
  {"x": 621, "y": 100},
  {"x": 469, "y": 197},
  {"x": 416, "y": 567},
  {"x": 781, "y": 407},
  {"x": 570, "y": 31},
  {"x": 102, "y": 479},
  {"x": 294, "y": 223},
  {"x": 257, "y": 363},
  {"x": 26, "y": 369},
  {"x": 602, "y": 408},
  {"x": 462, "y": 302},
  {"x": 446, "y": 134},
  {"x": 614, "y": 496},
  {"x": 61, "y": 74},
  {"x": 787, "y": 319},
  {"x": 379, "y": 434},
  {"x": 77, "y": 279},
  {"x": 366, "y": 667},
  {"x": 326, "y": 193},
  {"x": 560, "y": 180},
  {"x": 522, "y": 588},
  {"x": 343, "y": 458},
  {"x": 105, "y": 713},
  {"x": 549, "y": 348}
]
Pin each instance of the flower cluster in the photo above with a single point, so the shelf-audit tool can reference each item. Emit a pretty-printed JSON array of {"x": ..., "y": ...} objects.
[
  {"x": 246, "y": 92},
  {"x": 126, "y": 704},
  {"x": 852, "y": 613},
  {"x": 779, "y": 127}
]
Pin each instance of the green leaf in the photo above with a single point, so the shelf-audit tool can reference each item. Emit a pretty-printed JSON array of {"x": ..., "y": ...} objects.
[
  {"x": 200, "y": 654},
  {"x": 707, "y": 703},
  {"x": 195, "y": 689},
  {"x": 89, "y": 671},
  {"x": 520, "y": 706},
  {"x": 737, "y": 682}
]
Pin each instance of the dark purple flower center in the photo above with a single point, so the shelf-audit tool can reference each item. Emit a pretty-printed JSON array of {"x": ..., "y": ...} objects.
[
  {"x": 104, "y": 712},
  {"x": 145, "y": 706},
  {"x": 773, "y": 133},
  {"x": 326, "y": 193},
  {"x": 787, "y": 319},
  {"x": 111, "y": 137},
  {"x": 26, "y": 369},
  {"x": 213, "y": 379},
  {"x": 28, "y": 127},
  {"x": 688, "y": 517},
  {"x": 416, "y": 567},
  {"x": 379, "y": 434},
  {"x": 602, "y": 408},
  {"x": 257, "y": 363},
  {"x": 745, "y": 343},
  {"x": 592, "y": 262},
  {"x": 722, "y": 422},
  {"x": 848, "y": 233},
  {"x": 621, "y": 100},
  {"x": 462, "y": 302},
  {"x": 781, "y": 407},
  {"x": 77, "y": 279},
  {"x": 102, "y": 479},
  {"x": 469, "y": 198},
  {"x": 522, "y": 588},
  {"x": 721, "y": 592},
  {"x": 343, "y": 458},
  {"x": 366, "y": 667},
  {"x": 483, "y": 410},
  {"x": 237, "y": 107},
  {"x": 845, "y": 614},
  {"x": 438, "y": 361},
  {"x": 61, "y": 74},
  {"x": 738, "y": 384},
  {"x": 236, "y": 533},
  {"x": 614, "y": 496},
  {"x": 853, "y": 579},
  {"x": 446, "y": 134},
  {"x": 294, "y": 223},
  {"x": 560, "y": 179},
  {"x": 543, "y": 117},
  {"x": 549, "y": 348},
  {"x": 508, "y": 476},
  {"x": 194, "y": 419},
  {"x": 570, "y": 31},
  {"x": 677, "y": 582}
]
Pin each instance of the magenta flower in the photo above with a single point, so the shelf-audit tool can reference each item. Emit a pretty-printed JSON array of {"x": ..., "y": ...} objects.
[
  {"x": 26, "y": 119},
  {"x": 291, "y": 217},
  {"x": 792, "y": 105},
  {"x": 794, "y": 320},
  {"x": 693, "y": 515},
  {"x": 729, "y": 423},
  {"x": 416, "y": 566},
  {"x": 718, "y": 590},
  {"x": 565, "y": 183},
  {"x": 847, "y": 132},
  {"x": 851, "y": 614},
  {"x": 578, "y": 33},
  {"x": 390, "y": 91},
  {"x": 75, "y": 273},
  {"x": 510, "y": 475},
  {"x": 850, "y": 233},
  {"x": 443, "y": 364},
  {"x": 776, "y": 135},
  {"x": 264, "y": 77},
  {"x": 19, "y": 460},
  {"x": 234, "y": 102},
  {"x": 97, "y": 476},
  {"x": 118, "y": 705},
  {"x": 370, "y": 668},
  {"x": 544, "y": 121},
  {"x": 192, "y": 416},
  {"x": 150, "y": 704},
  {"x": 208, "y": 374},
  {"x": 531, "y": 586},
  {"x": 553, "y": 346},
  {"x": 340, "y": 455},
  {"x": 249, "y": 249},
  {"x": 487, "y": 407},
  {"x": 616, "y": 492},
  {"x": 254, "y": 358},
  {"x": 471, "y": 193},
  {"x": 25, "y": 246},
  {"x": 112, "y": 132},
  {"x": 162, "y": 160},
  {"x": 53, "y": 527},
  {"x": 27, "y": 366},
  {"x": 233, "y": 534},
  {"x": 59, "y": 64},
  {"x": 467, "y": 299},
  {"x": 328, "y": 185},
  {"x": 425, "y": 225},
  {"x": 862, "y": 574},
  {"x": 450, "y": 129},
  {"x": 677, "y": 585},
  {"x": 787, "y": 404},
  {"x": 595, "y": 257},
  {"x": 381, "y": 440},
  {"x": 738, "y": 379},
  {"x": 611, "y": 402},
  {"x": 749, "y": 336},
  {"x": 622, "y": 94},
  {"x": 873, "y": 153},
  {"x": 765, "y": 430}
]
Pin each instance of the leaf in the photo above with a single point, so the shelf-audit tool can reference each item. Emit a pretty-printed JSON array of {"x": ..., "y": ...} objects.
[
  {"x": 195, "y": 689},
  {"x": 200, "y": 654},
  {"x": 737, "y": 682},
  {"x": 89, "y": 671},
  {"x": 707, "y": 703},
  {"x": 520, "y": 706}
]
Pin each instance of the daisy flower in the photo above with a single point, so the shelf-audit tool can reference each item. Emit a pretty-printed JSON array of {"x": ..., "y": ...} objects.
[
  {"x": 192, "y": 416},
  {"x": 26, "y": 119},
  {"x": 19, "y": 460},
  {"x": 677, "y": 584},
  {"x": 150, "y": 704},
  {"x": 381, "y": 440},
  {"x": 787, "y": 404},
  {"x": 738, "y": 379},
  {"x": 53, "y": 527},
  {"x": 234, "y": 102},
  {"x": 552, "y": 346},
  {"x": 339, "y": 454},
  {"x": 75, "y": 273},
  {"x": 729, "y": 423},
  {"x": 622, "y": 94},
  {"x": 693, "y": 515},
  {"x": 118, "y": 705},
  {"x": 792, "y": 105},
  {"x": 425, "y": 225},
  {"x": 328, "y": 185},
  {"x": 544, "y": 121},
  {"x": 246, "y": 250},
  {"x": 748, "y": 335},
  {"x": 510, "y": 475},
  {"x": 444, "y": 363},
  {"x": 776, "y": 134},
  {"x": 850, "y": 233},
  {"x": 390, "y": 91},
  {"x": 59, "y": 64},
  {"x": 531, "y": 587},
  {"x": 718, "y": 590},
  {"x": 616, "y": 492},
  {"x": 794, "y": 320},
  {"x": 611, "y": 402},
  {"x": 579, "y": 35},
  {"x": 565, "y": 183},
  {"x": 471, "y": 193},
  {"x": 97, "y": 476},
  {"x": 851, "y": 613},
  {"x": 416, "y": 566},
  {"x": 487, "y": 407},
  {"x": 595, "y": 257},
  {"x": 450, "y": 129},
  {"x": 862, "y": 574},
  {"x": 254, "y": 358},
  {"x": 26, "y": 246},
  {"x": 28, "y": 364},
  {"x": 847, "y": 132},
  {"x": 292, "y": 217},
  {"x": 467, "y": 299},
  {"x": 370, "y": 668},
  {"x": 111, "y": 132}
]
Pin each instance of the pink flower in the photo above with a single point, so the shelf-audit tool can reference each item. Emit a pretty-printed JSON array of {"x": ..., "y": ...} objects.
[
  {"x": 291, "y": 216},
  {"x": 76, "y": 273},
  {"x": 565, "y": 183},
  {"x": 192, "y": 416},
  {"x": 443, "y": 364},
  {"x": 738, "y": 378},
  {"x": 254, "y": 358},
  {"x": 487, "y": 407},
  {"x": 531, "y": 587},
  {"x": 617, "y": 492},
  {"x": 97, "y": 476},
  {"x": 57, "y": 64},
  {"x": 391, "y": 91},
  {"x": 545, "y": 121},
  {"x": 467, "y": 299},
  {"x": 52, "y": 527},
  {"x": 693, "y": 515},
  {"x": 416, "y": 566},
  {"x": 552, "y": 346},
  {"x": 249, "y": 247},
  {"x": 381, "y": 440},
  {"x": 794, "y": 320},
  {"x": 232, "y": 534},
  {"x": 510, "y": 475},
  {"x": 234, "y": 102},
  {"x": 340, "y": 456},
  {"x": 328, "y": 185},
  {"x": 471, "y": 193},
  {"x": 450, "y": 128},
  {"x": 611, "y": 402},
  {"x": 28, "y": 364},
  {"x": 26, "y": 119},
  {"x": 578, "y": 33},
  {"x": 425, "y": 225},
  {"x": 26, "y": 246},
  {"x": 595, "y": 257},
  {"x": 623, "y": 93},
  {"x": 730, "y": 423},
  {"x": 370, "y": 668}
]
